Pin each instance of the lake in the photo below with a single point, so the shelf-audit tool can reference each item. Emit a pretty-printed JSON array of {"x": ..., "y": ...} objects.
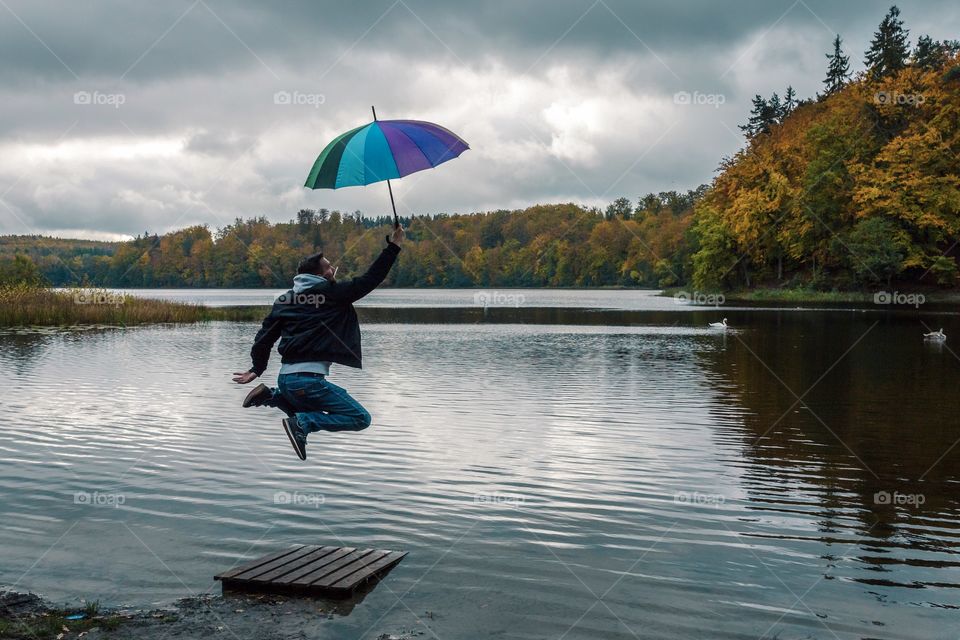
[
  {"x": 592, "y": 464},
  {"x": 637, "y": 300}
]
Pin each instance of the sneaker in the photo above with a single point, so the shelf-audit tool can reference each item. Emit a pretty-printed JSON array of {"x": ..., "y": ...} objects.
[
  {"x": 260, "y": 394},
  {"x": 297, "y": 437}
]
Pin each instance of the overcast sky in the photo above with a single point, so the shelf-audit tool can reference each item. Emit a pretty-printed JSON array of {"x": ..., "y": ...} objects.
[{"x": 119, "y": 117}]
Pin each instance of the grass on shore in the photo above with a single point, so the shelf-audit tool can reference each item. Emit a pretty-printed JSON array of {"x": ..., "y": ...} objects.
[
  {"x": 22, "y": 305},
  {"x": 773, "y": 295},
  {"x": 53, "y": 624},
  {"x": 802, "y": 295},
  {"x": 799, "y": 295}
]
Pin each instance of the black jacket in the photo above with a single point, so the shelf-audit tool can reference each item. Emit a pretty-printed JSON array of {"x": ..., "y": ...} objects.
[{"x": 320, "y": 323}]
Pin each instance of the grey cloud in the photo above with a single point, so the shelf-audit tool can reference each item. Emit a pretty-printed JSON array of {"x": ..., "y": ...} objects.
[
  {"x": 558, "y": 99},
  {"x": 220, "y": 143},
  {"x": 174, "y": 39}
]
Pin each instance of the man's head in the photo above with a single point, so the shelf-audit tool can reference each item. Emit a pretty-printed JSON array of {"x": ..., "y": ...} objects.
[{"x": 317, "y": 265}]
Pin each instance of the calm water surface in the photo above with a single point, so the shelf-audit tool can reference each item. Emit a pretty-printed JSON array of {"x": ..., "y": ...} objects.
[
  {"x": 576, "y": 476},
  {"x": 437, "y": 298}
]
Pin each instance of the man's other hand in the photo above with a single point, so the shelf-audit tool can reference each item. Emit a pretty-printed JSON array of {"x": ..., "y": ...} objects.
[
  {"x": 243, "y": 377},
  {"x": 397, "y": 236}
]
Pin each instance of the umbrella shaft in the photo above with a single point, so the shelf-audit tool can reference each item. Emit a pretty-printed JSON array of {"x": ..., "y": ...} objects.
[{"x": 396, "y": 220}]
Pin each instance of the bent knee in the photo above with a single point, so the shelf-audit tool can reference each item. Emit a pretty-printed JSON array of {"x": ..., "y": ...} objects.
[{"x": 364, "y": 420}]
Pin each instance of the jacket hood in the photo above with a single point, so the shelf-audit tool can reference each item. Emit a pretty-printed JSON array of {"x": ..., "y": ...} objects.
[{"x": 304, "y": 281}]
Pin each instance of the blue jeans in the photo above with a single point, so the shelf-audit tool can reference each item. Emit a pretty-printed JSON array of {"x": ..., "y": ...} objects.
[{"x": 319, "y": 405}]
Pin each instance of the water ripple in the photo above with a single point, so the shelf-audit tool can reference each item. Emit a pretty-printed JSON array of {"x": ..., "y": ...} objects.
[{"x": 575, "y": 481}]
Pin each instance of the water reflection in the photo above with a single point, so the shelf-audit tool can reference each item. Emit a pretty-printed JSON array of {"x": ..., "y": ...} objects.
[
  {"x": 20, "y": 351},
  {"x": 531, "y": 460},
  {"x": 850, "y": 421}
]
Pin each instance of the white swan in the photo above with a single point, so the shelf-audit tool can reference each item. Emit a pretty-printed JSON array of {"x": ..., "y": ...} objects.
[
  {"x": 719, "y": 325},
  {"x": 935, "y": 335}
]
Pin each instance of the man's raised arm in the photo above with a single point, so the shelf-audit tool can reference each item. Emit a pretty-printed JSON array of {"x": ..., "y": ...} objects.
[{"x": 354, "y": 289}]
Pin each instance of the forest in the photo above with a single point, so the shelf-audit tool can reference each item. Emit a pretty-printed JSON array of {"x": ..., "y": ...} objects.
[
  {"x": 543, "y": 246},
  {"x": 855, "y": 188}
]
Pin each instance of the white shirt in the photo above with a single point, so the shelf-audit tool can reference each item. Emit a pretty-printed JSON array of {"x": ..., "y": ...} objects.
[{"x": 321, "y": 367}]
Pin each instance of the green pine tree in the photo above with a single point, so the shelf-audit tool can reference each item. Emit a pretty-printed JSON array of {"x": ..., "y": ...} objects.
[
  {"x": 789, "y": 103},
  {"x": 838, "y": 69},
  {"x": 889, "y": 48},
  {"x": 763, "y": 115},
  {"x": 933, "y": 54}
]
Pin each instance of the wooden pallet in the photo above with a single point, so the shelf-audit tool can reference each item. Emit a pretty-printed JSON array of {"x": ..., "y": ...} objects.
[{"x": 327, "y": 571}]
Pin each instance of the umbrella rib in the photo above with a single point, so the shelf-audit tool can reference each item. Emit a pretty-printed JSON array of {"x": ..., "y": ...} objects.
[
  {"x": 366, "y": 166},
  {"x": 414, "y": 143},
  {"x": 426, "y": 125}
]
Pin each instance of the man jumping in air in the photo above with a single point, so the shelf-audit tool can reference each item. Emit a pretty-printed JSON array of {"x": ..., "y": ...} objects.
[{"x": 317, "y": 325}]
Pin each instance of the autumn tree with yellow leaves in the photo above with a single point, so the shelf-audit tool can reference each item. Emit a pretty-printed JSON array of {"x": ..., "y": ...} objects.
[{"x": 860, "y": 188}]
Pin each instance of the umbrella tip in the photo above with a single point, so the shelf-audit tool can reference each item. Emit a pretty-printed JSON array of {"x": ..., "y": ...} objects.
[{"x": 374, "y": 113}]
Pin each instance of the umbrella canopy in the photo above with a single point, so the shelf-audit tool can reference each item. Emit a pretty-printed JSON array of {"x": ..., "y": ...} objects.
[{"x": 383, "y": 150}]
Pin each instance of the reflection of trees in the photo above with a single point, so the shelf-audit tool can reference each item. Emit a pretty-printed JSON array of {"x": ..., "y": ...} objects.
[
  {"x": 20, "y": 351},
  {"x": 518, "y": 315},
  {"x": 875, "y": 420}
]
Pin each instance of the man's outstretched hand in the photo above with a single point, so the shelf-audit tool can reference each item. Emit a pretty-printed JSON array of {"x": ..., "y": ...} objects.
[
  {"x": 243, "y": 377},
  {"x": 397, "y": 236}
]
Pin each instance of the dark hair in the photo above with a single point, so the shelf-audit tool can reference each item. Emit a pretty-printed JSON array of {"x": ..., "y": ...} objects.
[{"x": 310, "y": 264}]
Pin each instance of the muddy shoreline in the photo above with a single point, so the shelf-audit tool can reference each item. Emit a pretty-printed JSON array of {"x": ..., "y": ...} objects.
[{"x": 25, "y": 615}]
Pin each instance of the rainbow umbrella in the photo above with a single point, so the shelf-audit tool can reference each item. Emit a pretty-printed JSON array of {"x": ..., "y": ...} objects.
[{"x": 383, "y": 150}]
